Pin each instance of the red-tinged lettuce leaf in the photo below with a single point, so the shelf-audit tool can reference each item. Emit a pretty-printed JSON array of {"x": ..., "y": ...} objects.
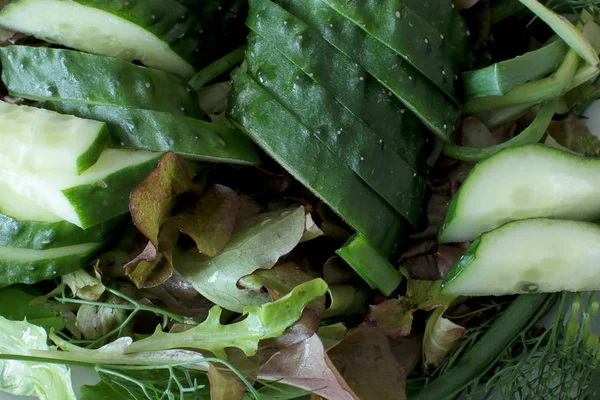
[
  {"x": 152, "y": 200},
  {"x": 441, "y": 337},
  {"x": 266, "y": 322},
  {"x": 306, "y": 365},
  {"x": 279, "y": 281},
  {"x": 211, "y": 220},
  {"x": 365, "y": 360},
  {"x": 256, "y": 244},
  {"x": 311, "y": 231},
  {"x": 396, "y": 315},
  {"x": 225, "y": 385},
  {"x": 407, "y": 350},
  {"x": 150, "y": 268}
]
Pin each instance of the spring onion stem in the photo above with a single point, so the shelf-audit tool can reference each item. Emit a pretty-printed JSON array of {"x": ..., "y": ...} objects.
[
  {"x": 532, "y": 134},
  {"x": 218, "y": 67}
]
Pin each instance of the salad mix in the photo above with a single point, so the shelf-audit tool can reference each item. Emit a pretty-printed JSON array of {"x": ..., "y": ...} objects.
[{"x": 313, "y": 199}]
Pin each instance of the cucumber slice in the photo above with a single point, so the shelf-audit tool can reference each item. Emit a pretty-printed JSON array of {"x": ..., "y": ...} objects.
[
  {"x": 35, "y": 140},
  {"x": 43, "y": 73},
  {"x": 349, "y": 83},
  {"x": 523, "y": 182},
  {"x": 23, "y": 224},
  {"x": 419, "y": 94},
  {"x": 159, "y": 131},
  {"x": 309, "y": 161},
  {"x": 159, "y": 33},
  {"x": 340, "y": 131},
  {"x": 535, "y": 255},
  {"x": 413, "y": 37},
  {"x": 31, "y": 266},
  {"x": 370, "y": 264},
  {"x": 98, "y": 195}
]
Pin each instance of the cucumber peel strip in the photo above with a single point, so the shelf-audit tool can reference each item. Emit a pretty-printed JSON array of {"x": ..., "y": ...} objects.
[
  {"x": 532, "y": 134},
  {"x": 563, "y": 28}
]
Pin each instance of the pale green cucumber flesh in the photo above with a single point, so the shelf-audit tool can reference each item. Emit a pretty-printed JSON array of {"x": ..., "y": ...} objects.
[
  {"x": 340, "y": 131},
  {"x": 36, "y": 140},
  {"x": 31, "y": 266},
  {"x": 92, "y": 29},
  {"x": 370, "y": 264},
  {"x": 412, "y": 37},
  {"x": 348, "y": 82},
  {"x": 23, "y": 224},
  {"x": 98, "y": 195},
  {"x": 309, "y": 161},
  {"x": 43, "y": 73},
  {"x": 399, "y": 78},
  {"x": 161, "y": 131},
  {"x": 529, "y": 256},
  {"x": 523, "y": 182}
]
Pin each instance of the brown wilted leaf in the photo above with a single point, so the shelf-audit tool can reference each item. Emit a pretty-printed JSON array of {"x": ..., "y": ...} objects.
[{"x": 225, "y": 385}]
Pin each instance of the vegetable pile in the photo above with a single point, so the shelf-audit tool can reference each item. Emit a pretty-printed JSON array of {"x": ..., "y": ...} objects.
[{"x": 280, "y": 199}]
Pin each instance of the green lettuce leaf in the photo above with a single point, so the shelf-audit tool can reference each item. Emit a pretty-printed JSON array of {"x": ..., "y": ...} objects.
[
  {"x": 84, "y": 285},
  {"x": 257, "y": 244},
  {"x": 441, "y": 337},
  {"x": 268, "y": 321},
  {"x": 21, "y": 378},
  {"x": 15, "y": 304}
]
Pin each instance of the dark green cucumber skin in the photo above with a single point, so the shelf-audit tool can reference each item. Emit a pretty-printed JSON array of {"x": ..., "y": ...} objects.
[
  {"x": 160, "y": 131},
  {"x": 171, "y": 22},
  {"x": 29, "y": 272},
  {"x": 38, "y": 235},
  {"x": 308, "y": 160},
  {"x": 411, "y": 36},
  {"x": 89, "y": 158},
  {"x": 338, "y": 129},
  {"x": 366, "y": 98},
  {"x": 419, "y": 94},
  {"x": 42, "y": 73}
]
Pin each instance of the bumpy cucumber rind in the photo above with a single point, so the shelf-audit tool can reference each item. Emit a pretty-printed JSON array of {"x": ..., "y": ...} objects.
[
  {"x": 308, "y": 160},
  {"x": 399, "y": 77},
  {"x": 161, "y": 131},
  {"x": 412, "y": 37},
  {"x": 340, "y": 131},
  {"x": 43, "y": 73},
  {"x": 345, "y": 80},
  {"x": 31, "y": 266},
  {"x": 37, "y": 235}
]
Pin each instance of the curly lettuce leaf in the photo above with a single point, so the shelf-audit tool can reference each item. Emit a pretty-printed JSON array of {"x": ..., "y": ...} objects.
[
  {"x": 268, "y": 321},
  {"x": 23, "y": 378}
]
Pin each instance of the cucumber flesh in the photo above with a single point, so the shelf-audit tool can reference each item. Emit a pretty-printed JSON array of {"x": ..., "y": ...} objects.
[
  {"x": 399, "y": 78},
  {"x": 100, "y": 28},
  {"x": 23, "y": 224},
  {"x": 36, "y": 140},
  {"x": 523, "y": 182},
  {"x": 98, "y": 195},
  {"x": 529, "y": 256},
  {"x": 340, "y": 131},
  {"x": 43, "y": 73},
  {"x": 161, "y": 131},
  {"x": 316, "y": 167},
  {"x": 348, "y": 82},
  {"x": 31, "y": 266}
]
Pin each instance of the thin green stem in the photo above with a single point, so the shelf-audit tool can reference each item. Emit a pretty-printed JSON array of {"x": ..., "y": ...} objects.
[{"x": 218, "y": 67}]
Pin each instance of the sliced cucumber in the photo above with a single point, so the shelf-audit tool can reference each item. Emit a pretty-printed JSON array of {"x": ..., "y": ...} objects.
[
  {"x": 159, "y": 33},
  {"x": 412, "y": 37},
  {"x": 98, "y": 195},
  {"x": 43, "y": 73},
  {"x": 400, "y": 78},
  {"x": 348, "y": 82},
  {"x": 23, "y": 224},
  {"x": 35, "y": 140},
  {"x": 309, "y": 161},
  {"x": 340, "y": 131},
  {"x": 523, "y": 182},
  {"x": 161, "y": 131},
  {"x": 529, "y": 256},
  {"x": 370, "y": 264},
  {"x": 31, "y": 266}
]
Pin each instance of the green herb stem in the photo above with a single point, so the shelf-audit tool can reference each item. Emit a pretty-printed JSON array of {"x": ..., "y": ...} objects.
[
  {"x": 532, "y": 134},
  {"x": 218, "y": 67}
]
